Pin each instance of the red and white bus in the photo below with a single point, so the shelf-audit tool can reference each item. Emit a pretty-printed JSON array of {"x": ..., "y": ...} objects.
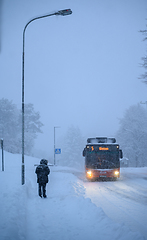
[{"x": 102, "y": 158}]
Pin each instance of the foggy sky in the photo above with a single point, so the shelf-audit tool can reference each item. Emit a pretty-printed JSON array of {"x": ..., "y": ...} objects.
[{"x": 81, "y": 69}]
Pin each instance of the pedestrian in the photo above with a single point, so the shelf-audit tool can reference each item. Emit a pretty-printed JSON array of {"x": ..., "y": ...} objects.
[{"x": 42, "y": 172}]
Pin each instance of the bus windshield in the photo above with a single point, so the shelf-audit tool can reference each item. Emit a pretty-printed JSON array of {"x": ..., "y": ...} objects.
[{"x": 102, "y": 159}]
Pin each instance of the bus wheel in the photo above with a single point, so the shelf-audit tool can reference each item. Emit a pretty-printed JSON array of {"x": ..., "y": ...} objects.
[
  {"x": 114, "y": 179},
  {"x": 90, "y": 179}
]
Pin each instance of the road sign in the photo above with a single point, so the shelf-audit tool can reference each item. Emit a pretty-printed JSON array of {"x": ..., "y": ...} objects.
[{"x": 58, "y": 151}]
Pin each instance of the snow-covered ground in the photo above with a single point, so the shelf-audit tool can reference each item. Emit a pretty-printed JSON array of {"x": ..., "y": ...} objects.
[
  {"x": 124, "y": 200},
  {"x": 68, "y": 213}
]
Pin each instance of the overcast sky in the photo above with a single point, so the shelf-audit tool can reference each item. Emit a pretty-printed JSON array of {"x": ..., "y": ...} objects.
[{"x": 81, "y": 69}]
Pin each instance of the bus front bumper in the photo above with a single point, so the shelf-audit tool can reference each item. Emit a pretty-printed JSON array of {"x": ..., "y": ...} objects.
[{"x": 102, "y": 173}]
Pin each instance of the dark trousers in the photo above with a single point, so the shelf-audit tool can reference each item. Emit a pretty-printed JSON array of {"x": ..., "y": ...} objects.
[{"x": 42, "y": 189}]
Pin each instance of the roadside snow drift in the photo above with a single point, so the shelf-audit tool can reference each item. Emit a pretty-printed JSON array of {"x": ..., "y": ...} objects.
[{"x": 65, "y": 215}]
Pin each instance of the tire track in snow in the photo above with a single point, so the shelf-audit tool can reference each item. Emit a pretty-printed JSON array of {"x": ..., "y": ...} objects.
[{"x": 117, "y": 205}]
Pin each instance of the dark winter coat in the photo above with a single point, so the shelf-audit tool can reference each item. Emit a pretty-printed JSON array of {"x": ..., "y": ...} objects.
[{"x": 42, "y": 172}]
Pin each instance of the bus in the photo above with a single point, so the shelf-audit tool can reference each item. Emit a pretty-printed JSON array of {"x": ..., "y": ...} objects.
[{"x": 102, "y": 158}]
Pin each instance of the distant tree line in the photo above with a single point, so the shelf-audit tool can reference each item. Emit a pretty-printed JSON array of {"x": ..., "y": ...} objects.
[
  {"x": 132, "y": 135},
  {"x": 11, "y": 126}
]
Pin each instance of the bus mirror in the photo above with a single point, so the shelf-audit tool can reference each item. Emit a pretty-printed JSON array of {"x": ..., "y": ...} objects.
[
  {"x": 84, "y": 152},
  {"x": 120, "y": 153}
]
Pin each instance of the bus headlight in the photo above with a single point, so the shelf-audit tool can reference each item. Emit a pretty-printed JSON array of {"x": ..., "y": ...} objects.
[
  {"x": 89, "y": 173},
  {"x": 116, "y": 173}
]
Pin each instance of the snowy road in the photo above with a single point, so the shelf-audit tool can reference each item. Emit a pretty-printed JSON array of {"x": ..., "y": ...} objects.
[
  {"x": 69, "y": 212},
  {"x": 125, "y": 200}
]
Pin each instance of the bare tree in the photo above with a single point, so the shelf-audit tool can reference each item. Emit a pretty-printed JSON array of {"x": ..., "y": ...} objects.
[
  {"x": 144, "y": 59},
  {"x": 72, "y": 148},
  {"x": 132, "y": 135},
  {"x": 10, "y": 126}
]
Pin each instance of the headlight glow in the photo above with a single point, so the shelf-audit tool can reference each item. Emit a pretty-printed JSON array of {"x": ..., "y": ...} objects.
[
  {"x": 89, "y": 173},
  {"x": 116, "y": 173}
]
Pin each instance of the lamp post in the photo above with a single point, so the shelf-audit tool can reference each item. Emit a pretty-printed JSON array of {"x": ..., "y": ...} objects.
[
  {"x": 54, "y": 145},
  {"x": 62, "y": 13}
]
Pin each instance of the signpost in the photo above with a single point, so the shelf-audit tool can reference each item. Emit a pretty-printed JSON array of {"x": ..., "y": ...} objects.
[{"x": 58, "y": 151}]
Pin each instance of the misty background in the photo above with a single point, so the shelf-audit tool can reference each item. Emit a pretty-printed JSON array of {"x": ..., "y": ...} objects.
[{"x": 81, "y": 70}]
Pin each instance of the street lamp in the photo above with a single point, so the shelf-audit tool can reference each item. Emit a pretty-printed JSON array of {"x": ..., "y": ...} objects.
[
  {"x": 144, "y": 103},
  {"x": 64, "y": 12},
  {"x": 54, "y": 145}
]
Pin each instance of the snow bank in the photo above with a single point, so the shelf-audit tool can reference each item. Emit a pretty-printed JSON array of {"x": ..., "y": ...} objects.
[{"x": 66, "y": 214}]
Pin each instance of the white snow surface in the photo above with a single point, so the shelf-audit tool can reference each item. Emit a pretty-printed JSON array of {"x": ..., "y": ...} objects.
[{"x": 66, "y": 214}]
